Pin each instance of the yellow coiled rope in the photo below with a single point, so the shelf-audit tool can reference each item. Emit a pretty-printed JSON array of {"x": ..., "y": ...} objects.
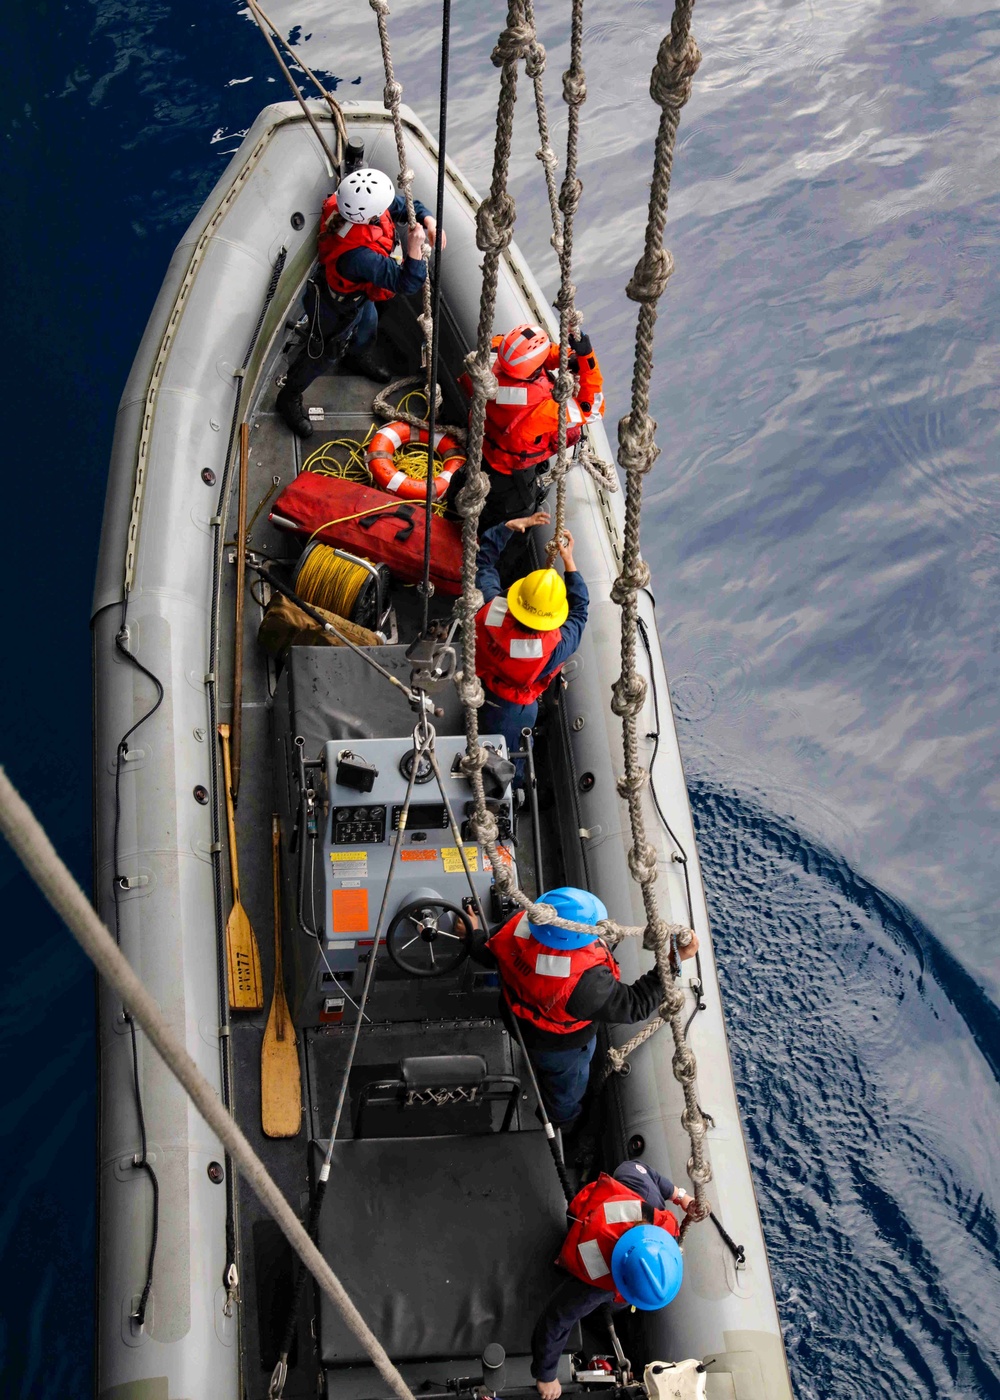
[
  {"x": 411, "y": 458},
  {"x": 329, "y": 582}
]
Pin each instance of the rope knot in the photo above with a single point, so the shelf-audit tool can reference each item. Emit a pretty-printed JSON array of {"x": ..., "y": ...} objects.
[
  {"x": 562, "y": 386},
  {"x": 381, "y": 7},
  {"x": 472, "y": 496},
  {"x": 642, "y": 863},
  {"x": 482, "y": 376},
  {"x": 474, "y": 762},
  {"x": 694, "y": 1124},
  {"x": 637, "y": 449},
  {"x": 670, "y": 83},
  {"x": 570, "y": 193},
  {"x": 628, "y": 695},
  {"x": 629, "y": 581},
  {"x": 404, "y": 178},
  {"x": 631, "y": 783},
  {"x": 547, "y": 156},
  {"x": 652, "y": 273},
  {"x": 392, "y": 95},
  {"x": 534, "y": 63},
  {"x": 684, "y": 1065},
  {"x": 484, "y": 830},
  {"x": 574, "y": 87},
  {"x": 656, "y": 935},
  {"x": 700, "y": 1173},
  {"x": 515, "y": 42},
  {"x": 672, "y": 1003},
  {"x": 617, "y": 1059},
  {"x": 610, "y": 931},
  {"x": 470, "y": 693},
  {"x": 495, "y": 222}
]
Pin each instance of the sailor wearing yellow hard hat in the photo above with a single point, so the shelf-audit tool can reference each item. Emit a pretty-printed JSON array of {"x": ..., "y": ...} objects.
[{"x": 525, "y": 635}]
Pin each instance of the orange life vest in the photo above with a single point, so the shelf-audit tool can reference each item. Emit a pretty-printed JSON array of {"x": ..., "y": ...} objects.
[
  {"x": 600, "y": 1214},
  {"x": 510, "y": 657},
  {"x": 334, "y": 242},
  {"x": 508, "y": 444},
  {"x": 538, "y": 981}
]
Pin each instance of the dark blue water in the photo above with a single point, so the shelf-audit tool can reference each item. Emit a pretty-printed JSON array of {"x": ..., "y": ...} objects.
[{"x": 822, "y": 527}]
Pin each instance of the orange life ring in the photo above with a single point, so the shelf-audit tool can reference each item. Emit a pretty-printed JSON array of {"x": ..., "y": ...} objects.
[{"x": 383, "y": 468}]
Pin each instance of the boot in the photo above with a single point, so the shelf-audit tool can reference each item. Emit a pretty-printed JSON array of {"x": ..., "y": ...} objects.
[
  {"x": 289, "y": 405},
  {"x": 365, "y": 362}
]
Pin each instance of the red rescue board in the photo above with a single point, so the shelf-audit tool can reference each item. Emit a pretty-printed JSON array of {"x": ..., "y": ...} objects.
[{"x": 382, "y": 528}]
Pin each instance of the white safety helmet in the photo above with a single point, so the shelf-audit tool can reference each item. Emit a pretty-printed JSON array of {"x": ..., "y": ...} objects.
[{"x": 364, "y": 195}]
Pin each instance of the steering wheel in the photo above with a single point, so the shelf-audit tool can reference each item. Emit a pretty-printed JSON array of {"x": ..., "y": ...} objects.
[{"x": 424, "y": 938}]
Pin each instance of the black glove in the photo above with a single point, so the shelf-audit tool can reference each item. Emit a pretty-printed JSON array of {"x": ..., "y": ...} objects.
[{"x": 580, "y": 344}]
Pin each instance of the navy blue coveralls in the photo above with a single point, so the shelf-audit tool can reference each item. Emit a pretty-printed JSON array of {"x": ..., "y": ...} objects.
[
  {"x": 336, "y": 323},
  {"x": 499, "y": 716},
  {"x": 574, "y": 1300}
]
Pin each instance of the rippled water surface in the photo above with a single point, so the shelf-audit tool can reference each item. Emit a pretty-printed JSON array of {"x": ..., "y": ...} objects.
[{"x": 822, "y": 527}]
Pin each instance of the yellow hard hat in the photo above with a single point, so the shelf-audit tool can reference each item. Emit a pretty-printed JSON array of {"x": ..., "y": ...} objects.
[{"x": 539, "y": 600}]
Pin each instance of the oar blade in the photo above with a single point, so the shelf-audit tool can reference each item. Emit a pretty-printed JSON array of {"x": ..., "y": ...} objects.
[
  {"x": 246, "y": 985},
  {"x": 280, "y": 1076}
]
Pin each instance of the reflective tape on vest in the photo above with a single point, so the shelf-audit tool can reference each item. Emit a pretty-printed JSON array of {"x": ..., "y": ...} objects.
[
  {"x": 497, "y": 611},
  {"x": 521, "y": 929},
  {"x": 508, "y": 394},
  {"x": 525, "y": 648},
  {"x": 592, "y": 1259},
  {"x": 395, "y": 481},
  {"x": 618, "y": 1212},
  {"x": 552, "y": 965}
]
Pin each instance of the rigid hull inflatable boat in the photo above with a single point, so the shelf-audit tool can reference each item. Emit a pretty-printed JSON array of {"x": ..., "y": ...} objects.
[{"x": 443, "y": 1212}]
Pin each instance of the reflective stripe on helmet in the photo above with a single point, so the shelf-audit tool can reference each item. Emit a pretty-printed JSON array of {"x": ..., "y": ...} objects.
[
  {"x": 592, "y": 1259},
  {"x": 553, "y": 965}
]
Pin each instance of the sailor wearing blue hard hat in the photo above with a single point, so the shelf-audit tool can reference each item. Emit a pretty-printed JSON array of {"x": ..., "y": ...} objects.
[
  {"x": 622, "y": 1241},
  {"x": 558, "y": 983}
]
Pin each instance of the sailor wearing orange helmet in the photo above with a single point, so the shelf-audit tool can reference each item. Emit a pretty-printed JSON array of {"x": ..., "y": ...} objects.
[
  {"x": 522, "y": 422},
  {"x": 526, "y": 633}
]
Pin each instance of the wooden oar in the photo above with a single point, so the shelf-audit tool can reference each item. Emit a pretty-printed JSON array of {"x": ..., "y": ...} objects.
[
  {"x": 280, "y": 1079},
  {"x": 241, "y": 549},
  {"x": 246, "y": 986}
]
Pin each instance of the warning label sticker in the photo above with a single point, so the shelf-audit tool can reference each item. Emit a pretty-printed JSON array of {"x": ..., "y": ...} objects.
[
  {"x": 349, "y": 865},
  {"x": 418, "y": 853},
  {"x": 452, "y": 859},
  {"x": 506, "y": 858},
  {"x": 350, "y": 911}
]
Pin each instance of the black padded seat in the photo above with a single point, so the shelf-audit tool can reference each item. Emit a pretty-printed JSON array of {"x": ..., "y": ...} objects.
[{"x": 443, "y": 1243}]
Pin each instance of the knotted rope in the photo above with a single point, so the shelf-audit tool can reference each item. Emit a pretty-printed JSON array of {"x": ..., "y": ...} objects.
[
  {"x": 670, "y": 87},
  {"x": 570, "y": 320},
  {"x": 392, "y": 95}
]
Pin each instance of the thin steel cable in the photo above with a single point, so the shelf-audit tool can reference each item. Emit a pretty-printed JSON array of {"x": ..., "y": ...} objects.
[{"x": 39, "y": 858}]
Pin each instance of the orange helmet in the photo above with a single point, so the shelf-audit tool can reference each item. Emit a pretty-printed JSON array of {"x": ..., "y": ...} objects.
[{"x": 523, "y": 350}]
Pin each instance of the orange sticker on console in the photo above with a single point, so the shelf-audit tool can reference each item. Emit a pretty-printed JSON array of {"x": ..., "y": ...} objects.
[
  {"x": 418, "y": 853},
  {"x": 350, "y": 911}
]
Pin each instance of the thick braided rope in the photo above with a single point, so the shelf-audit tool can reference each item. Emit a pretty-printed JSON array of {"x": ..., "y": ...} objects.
[
  {"x": 391, "y": 98},
  {"x": 574, "y": 95},
  {"x": 670, "y": 87},
  {"x": 534, "y": 66},
  {"x": 494, "y": 230}
]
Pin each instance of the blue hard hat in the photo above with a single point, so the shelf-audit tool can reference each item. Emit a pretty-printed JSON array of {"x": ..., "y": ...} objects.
[
  {"x": 579, "y": 905},
  {"x": 647, "y": 1267}
]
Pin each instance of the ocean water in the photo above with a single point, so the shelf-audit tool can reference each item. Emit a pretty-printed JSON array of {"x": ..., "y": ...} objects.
[{"x": 822, "y": 529}]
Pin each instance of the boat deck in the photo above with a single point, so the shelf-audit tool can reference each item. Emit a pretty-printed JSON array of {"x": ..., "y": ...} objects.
[{"x": 442, "y": 1016}]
